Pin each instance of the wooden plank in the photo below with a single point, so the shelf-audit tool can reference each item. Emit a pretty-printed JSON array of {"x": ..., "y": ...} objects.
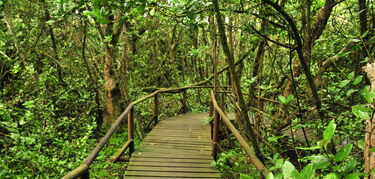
[
  {"x": 168, "y": 164},
  {"x": 176, "y": 142},
  {"x": 176, "y": 157},
  {"x": 172, "y": 174},
  {"x": 173, "y": 155},
  {"x": 165, "y": 151},
  {"x": 170, "y": 159},
  {"x": 186, "y": 149},
  {"x": 186, "y": 145},
  {"x": 179, "y": 147},
  {"x": 170, "y": 169}
]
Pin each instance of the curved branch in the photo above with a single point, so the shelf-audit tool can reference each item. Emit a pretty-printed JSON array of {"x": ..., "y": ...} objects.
[{"x": 297, "y": 38}]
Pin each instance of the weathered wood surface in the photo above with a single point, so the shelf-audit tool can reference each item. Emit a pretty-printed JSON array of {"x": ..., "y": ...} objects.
[{"x": 179, "y": 147}]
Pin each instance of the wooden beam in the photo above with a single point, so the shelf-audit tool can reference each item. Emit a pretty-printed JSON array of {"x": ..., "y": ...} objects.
[{"x": 249, "y": 151}]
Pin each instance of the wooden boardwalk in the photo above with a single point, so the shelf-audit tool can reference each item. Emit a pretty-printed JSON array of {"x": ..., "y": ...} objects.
[{"x": 179, "y": 147}]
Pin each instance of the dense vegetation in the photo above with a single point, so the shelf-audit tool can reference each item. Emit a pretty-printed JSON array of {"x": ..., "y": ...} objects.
[{"x": 68, "y": 68}]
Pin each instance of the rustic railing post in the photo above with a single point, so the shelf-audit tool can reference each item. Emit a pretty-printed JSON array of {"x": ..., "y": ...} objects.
[
  {"x": 211, "y": 109},
  {"x": 184, "y": 102},
  {"x": 131, "y": 130},
  {"x": 215, "y": 134},
  {"x": 156, "y": 110}
]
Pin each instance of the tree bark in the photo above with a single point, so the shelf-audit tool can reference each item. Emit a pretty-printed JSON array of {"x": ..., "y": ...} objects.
[
  {"x": 302, "y": 60},
  {"x": 113, "y": 96},
  {"x": 246, "y": 128},
  {"x": 311, "y": 33},
  {"x": 370, "y": 127}
]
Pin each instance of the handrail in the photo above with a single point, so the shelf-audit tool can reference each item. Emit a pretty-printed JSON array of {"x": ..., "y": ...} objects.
[
  {"x": 83, "y": 169},
  {"x": 218, "y": 113}
]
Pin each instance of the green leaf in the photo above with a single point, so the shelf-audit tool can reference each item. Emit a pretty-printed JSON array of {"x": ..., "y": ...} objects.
[
  {"x": 97, "y": 13},
  {"x": 350, "y": 92},
  {"x": 331, "y": 176},
  {"x": 343, "y": 153},
  {"x": 323, "y": 142},
  {"x": 344, "y": 83},
  {"x": 364, "y": 34},
  {"x": 285, "y": 100},
  {"x": 319, "y": 161},
  {"x": 361, "y": 111},
  {"x": 356, "y": 40},
  {"x": 152, "y": 12},
  {"x": 309, "y": 148},
  {"x": 352, "y": 176},
  {"x": 357, "y": 80},
  {"x": 368, "y": 94},
  {"x": 272, "y": 138},
  {"x": 308, "y": 172},
  {"x": 29, "y": 104},
  {"x": 288, "y": 170},
  {"x": 348, "y": 167},
  {"x": 361, "y": 144},
  {"x": 330, "y": 130},
  {"x": 282, "y": 99},
  {"x": 289, "y": 98},
  {"x": 372, "y": 149},
  {"x": 350, "y": 75},
  {"x": 270, "y": 176},
  {"x": 243, "y": 176}
]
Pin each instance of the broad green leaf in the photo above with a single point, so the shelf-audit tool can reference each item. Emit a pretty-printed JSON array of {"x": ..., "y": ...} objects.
[
  {"x": 289, "y": 171},
  {"x": 352, "y": 176},
  {"x": 344, "y": 83},
  {"x": 270, "y": 176},
  {"x": 344, "y": 54},
  {"x": 141, "y": 8},
  {"x": 308, "y": 172},
  {"x": 29, "y": 104},
  {"x": 372, "y": 149},
  {"x": 309, "y": 148},
  {"x": 364, "y": 34},
  {"x": 361, "y": 144},
  {"x": 282, "y": 99},
  {"x": 365, "y": 60},
  {"x": 368, "y": 94},
  {"x": 330, "y": 130},
  {"x": 357, "y": 80},
  {"x": 331, "y": 176},
  {"x": 289, "y": 98},
  {"x": 350, "y": 75},
  {"x": 152, "y": 12},
  {"x": 272, "y": 138},
  {"x": 350, "y": 92},
  {"x": 323, "y": 142},
  {"x": 319, "y": 161},
  {"x": 356, "y": 40},
  {"x": 348, "y": 166},
  {"x": 243, "y": 176},
  {"x": 98, "y": 15},
  {"x": 361, "y": 111},
  {"x": 343, "y": 153},
  {"x": 285, "y": 100},
  {"x": 87, "y": 13}
]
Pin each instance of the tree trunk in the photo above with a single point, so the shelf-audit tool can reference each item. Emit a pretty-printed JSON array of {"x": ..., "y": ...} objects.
[
  {"x": 246, "y": 128},
  {"x": 311, "y": 33},
  {"x": 112, "y": 100},
  {"x": 370, "y": 127},
  {"x": 113, "y": 96}
]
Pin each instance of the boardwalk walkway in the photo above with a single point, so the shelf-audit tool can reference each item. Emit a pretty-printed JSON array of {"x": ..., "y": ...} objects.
[{"x": 179, "y": 147}]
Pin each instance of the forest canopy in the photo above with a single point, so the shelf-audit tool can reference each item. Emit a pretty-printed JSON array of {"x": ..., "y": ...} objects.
[{"x": 298, "y": 75}]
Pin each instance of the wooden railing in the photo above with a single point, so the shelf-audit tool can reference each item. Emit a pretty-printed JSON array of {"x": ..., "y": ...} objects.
[
  {"x": 83, "y": 170},
  {"x": 218, "y": 114}
]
